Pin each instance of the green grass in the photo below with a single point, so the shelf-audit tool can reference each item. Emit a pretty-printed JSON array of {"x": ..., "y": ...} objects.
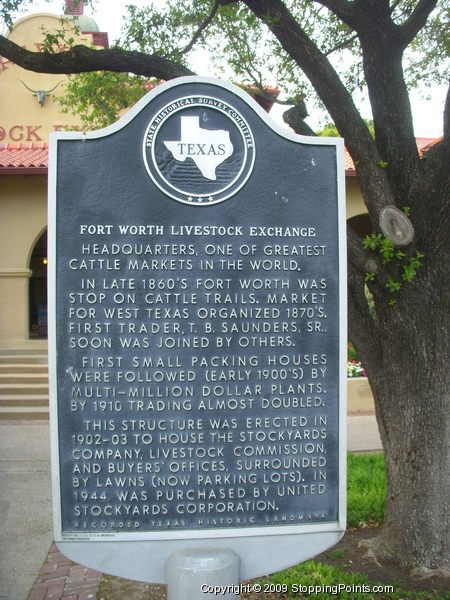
[
  {"x": 336, "y": 554},
  {"x": 366, "y": 496},
  {"x": 322, "y": 581},
  {"x": 312, "y": 573},
  {"x": 366, "y": 489}
]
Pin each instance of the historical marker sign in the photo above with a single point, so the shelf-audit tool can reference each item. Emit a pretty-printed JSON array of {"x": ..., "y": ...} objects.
[{"x": 198, "y": 339}]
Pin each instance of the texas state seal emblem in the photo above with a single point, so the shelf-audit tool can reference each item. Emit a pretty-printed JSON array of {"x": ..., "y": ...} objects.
[{"x": 199, "y": 150}]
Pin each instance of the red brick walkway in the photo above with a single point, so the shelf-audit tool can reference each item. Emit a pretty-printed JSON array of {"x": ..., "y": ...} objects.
[{"x": 61, "y": 579}]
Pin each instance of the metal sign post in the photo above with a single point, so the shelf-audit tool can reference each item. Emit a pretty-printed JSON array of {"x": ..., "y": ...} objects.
[{"x": 202, "y": 573}]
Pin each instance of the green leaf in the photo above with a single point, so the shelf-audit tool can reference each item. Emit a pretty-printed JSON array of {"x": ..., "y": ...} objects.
[
  {"x": 99, "y": 97},
  {"x": 408, "y": 274},
  {"x": 387, "y": 250},
  {"x": 392, "y": 285},
  {"x": 372, "y": 241},
  {"x": 383, "y": 164}
]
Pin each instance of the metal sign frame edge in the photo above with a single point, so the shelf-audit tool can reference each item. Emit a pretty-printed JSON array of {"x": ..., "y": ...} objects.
[{"x": 335, "y": 526}]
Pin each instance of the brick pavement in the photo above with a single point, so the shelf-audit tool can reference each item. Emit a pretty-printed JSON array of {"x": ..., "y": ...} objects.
[{"x": 61, "y": 579}]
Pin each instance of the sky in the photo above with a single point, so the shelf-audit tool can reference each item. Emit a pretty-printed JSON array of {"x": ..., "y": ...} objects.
[{"x": 427, "y": 106}]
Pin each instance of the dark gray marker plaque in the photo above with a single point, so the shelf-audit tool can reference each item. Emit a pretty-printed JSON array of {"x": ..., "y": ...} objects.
[{"x": 197, "y": 324}]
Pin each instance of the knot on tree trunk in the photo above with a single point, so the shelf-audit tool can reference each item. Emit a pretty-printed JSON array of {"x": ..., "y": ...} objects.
[{"x": 396, "y": 226}]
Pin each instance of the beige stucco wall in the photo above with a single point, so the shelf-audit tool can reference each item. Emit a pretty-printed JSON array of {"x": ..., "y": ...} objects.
[
  {"x": 354, "y": 202},
  {"x": 359, "y": 395},
  {"x": 23, "y": 209},
  {"x": 23, "y": 199},
  {"x": 22, "y": 119}
]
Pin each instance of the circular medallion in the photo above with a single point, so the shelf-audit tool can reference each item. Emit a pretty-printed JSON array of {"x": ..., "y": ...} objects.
[{"x": 199, "y": 150}]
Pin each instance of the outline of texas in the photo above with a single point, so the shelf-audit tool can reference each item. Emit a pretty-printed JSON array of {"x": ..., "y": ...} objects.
[{"x": 208, "y": 148}]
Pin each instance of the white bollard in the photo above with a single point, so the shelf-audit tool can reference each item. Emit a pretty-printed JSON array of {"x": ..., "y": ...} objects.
[{"x": 193, "y": 574}]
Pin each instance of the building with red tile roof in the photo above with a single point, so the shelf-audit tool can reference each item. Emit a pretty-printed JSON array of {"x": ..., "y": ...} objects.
[{"x": 26, "y": 122}]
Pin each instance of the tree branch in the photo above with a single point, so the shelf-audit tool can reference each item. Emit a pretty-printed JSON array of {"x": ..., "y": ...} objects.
[
  {"x": 342, "y": 45},
  {"x": 355, "y": 251},
  {"x": 375, "y": 186},
  {"x": 83, "y": 59},
  {"x": 295, "y": 118},
  {"x": 382, "y": 49},
  {"x": 447, "y": 116},
  {"x": 342, "y": 9},
  {"x": 248, "y": 67},
  {"x": 394, "y": 6},
  {"x": 410, "y": 28},
  {"x": 202, "y": 27},
  {"x": 383, "y": 43},
  {"x": 362, "y": 329}
]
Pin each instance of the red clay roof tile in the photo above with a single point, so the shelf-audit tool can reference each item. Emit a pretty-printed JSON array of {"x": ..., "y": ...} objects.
[
  {"x": 25, "y": 158},
  {"x": 33, "y": 158}
]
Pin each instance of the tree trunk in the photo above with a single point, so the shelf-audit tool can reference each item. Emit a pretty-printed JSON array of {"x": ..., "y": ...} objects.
[
  {"x": 410, "y": 387},
  {"x": 405, "y": 351},
  {"x": 413, "y": 417}
]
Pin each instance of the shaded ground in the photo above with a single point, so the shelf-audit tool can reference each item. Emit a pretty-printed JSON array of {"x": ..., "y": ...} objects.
[
  {"x": 349, "y": 556},
  {"x": 346, "y": 555}
]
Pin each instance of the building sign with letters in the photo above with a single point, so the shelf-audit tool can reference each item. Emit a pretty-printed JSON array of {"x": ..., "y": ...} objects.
[{"x": 197, "y": 333}]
